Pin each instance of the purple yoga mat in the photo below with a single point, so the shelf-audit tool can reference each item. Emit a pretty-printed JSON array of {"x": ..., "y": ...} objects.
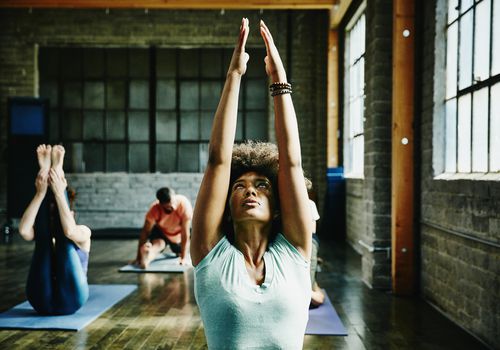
[{"x": 324, "y": 320}]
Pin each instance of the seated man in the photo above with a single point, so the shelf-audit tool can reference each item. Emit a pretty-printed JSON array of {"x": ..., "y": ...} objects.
[{"x": 168, "y": 221}]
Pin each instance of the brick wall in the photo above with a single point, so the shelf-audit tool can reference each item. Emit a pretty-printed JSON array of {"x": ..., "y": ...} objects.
[
  {"x": 369, "y": 199},
  {"x": 460, "y": 219},
  {"x": 21, "y": 31}
]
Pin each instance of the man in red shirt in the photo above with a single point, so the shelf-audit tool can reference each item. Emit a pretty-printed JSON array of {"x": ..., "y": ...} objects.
[{"x": 168, "y": 221}]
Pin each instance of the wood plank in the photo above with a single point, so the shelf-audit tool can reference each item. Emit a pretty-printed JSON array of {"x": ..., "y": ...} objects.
[
  {"x": 339, "y": 12},
  {"x": 172, "y": 4},
  {"x": 332, "y": 142},
  {"x": 403, "y": 250}
]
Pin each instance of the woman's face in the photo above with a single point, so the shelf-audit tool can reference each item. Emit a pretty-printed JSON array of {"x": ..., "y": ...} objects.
[{"x": 251, "y": 198}]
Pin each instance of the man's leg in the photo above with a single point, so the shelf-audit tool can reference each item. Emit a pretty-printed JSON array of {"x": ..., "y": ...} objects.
[{"x": 152, "y": 248}]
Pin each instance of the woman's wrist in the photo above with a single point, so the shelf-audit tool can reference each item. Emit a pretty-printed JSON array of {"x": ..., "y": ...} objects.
[{"x": 233, "y": 75}]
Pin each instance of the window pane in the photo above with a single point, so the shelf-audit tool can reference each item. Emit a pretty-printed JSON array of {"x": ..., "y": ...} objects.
[
  {"x": 465, "y": 72},
  {"x": 188, "y": 63},
  {"x": 116, "y": 63},
  {"x": 451, "y": 136},
  {"x": 203, "y": 156},
  {"x": 139, "y": 94},
  {"x": 210, "y": 95},
  {"x": 72, "y": 95},
  {"x": 189, "y": 125},
  {"x": 166, "y": 157},
  {"x": 48, "y": 63},
  {"x": 495, "y": 128},
  {"x": 495, "y": 61},
  {"x": 72, "y": 125},
  {"x": 72, "y": 63},
  {"x": 166, "y": 94},
  {"x": 256, "y": 126},
  {"x": 93, "y": 95},
  {"x": 54, "y": 126},
  {"x": 93, "y": 125},
  {"x": 138, "y": 157},
  {"x": 256, "y": 91},
  {"x": 138, "y": 126},
  {"x": 452, "y": 10},
  {"x": 139, "y": 63},
  {"x": 465, "y": 5},
  {"x": 165, "y": 63},
  {"x": 211, "y": 63},
  {"x": 93, "y": 156},
  {"x": 115, "y": 94},
  {"x": 239, "y": 127},
  {"x": 115, "y": 125},
  {"x": 189, "y": 158},
  {"x": 74, "y": 158},
  {"x": 482, "y": 41},
  {"x": 207, "y": 119},
  {"x": 451, "y": 61},
  {"x": 93, "y": 63},
  {"x": 166, "y": 126},
  {"x": 464, "y": 134},
  {"x": 480, "y": 131},
  {"x": 189, "y": 95},
  {"x": 255, "y": 64},
  {"x": 358, "y": 155},
  {"x": 116, "y": 157},
  {"x": 48, "y": 89}
]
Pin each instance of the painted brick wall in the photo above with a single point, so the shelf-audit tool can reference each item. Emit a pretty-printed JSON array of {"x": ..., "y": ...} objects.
[
  {"x": 22, "y": 31},
  {"x": 369, "y": 199},
  {"x": 459, "y": 275}
]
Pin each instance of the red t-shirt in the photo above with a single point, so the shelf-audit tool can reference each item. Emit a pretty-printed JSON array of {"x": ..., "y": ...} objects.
[{"x": 171, "y": 224}]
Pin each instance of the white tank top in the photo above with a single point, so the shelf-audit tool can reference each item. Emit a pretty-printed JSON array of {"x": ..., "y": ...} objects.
[{"x": 238, "y": 314}]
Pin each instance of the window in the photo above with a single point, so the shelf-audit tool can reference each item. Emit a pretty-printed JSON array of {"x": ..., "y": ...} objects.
[
  {"x": 472, "y": 101},
  {"x": 354, "y": 94},
  {"x": 144, "y": 110}
]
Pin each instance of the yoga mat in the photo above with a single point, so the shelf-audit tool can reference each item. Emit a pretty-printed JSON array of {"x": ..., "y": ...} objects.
[
  {"x": 163, "y": 263},
  {"x": 101, "y": 298},
  {"x": 324, "y": 320}
]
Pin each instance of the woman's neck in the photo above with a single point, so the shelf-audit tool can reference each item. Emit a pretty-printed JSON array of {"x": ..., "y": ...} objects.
[{"x": 252, "y": 240}]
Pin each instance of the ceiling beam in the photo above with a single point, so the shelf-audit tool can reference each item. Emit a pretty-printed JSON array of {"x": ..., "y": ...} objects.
[{"x": 173, "y": 4}]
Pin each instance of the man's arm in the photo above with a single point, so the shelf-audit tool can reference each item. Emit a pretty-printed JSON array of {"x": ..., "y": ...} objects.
[
  {"x": 143, "y": 237},
  {"x": 186, "y": 226}
]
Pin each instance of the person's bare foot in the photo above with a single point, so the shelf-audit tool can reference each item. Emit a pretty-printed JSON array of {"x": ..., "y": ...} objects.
[
  {"x": 145, "y": 255},
  {"x": 57, "y": 156},
  {"x": 43, "y": 153}
]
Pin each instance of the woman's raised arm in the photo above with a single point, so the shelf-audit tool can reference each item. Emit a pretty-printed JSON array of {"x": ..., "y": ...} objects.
[
  {"x": 295, "y": 212},
  {"x": 211, "y": 199}
]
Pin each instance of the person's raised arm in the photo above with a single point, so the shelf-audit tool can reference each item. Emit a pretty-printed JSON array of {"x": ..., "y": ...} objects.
[
  {"x": 295, "y": 212},
  {"x": 79, "y": 234},
  {"x": 211, "y": 198},
  {"x": 27, "y": 222}
]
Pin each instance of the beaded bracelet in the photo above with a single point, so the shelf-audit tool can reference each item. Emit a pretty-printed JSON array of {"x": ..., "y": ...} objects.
[
  {"x": 279, "y": 86},
  {"x": 281, "y": 92}
]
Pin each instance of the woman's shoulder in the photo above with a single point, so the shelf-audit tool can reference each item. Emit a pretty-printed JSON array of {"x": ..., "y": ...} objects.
[
  {"x": 282, "y": 248},
  {"x": 221, "y": 249}
]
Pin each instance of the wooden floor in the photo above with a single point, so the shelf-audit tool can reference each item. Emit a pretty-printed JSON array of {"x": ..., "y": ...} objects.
[{"x": 162, "y": 313}]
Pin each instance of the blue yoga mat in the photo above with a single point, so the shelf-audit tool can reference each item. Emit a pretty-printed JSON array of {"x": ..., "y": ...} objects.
[
  {"x": 101, "y": 298},
  {"x": 163, "y": 263},
  {"x": 324, "y": 320}
]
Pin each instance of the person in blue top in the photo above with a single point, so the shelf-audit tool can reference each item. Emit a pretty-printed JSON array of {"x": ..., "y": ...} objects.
[
  {"x": 57, "y": 279},
  {"x": 251, "y": 232}
]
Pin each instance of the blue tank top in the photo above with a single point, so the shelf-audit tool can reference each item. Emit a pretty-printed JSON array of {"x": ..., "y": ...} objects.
[{"x": 238, "y": 314}]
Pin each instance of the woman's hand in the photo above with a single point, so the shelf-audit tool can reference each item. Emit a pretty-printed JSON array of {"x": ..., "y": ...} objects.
[
  {"x": 41, "y": 183},
  {"x": 240, "y": 58},
  {"x": 57, "y": 182},
  {"x": 274, "y": 66}
]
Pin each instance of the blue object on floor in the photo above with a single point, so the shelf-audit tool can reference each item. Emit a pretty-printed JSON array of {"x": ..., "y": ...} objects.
[
  {"x": 324, "y": 320},
  {"x": 101, "y": 298},
  {"x": 163, "y": 263}
]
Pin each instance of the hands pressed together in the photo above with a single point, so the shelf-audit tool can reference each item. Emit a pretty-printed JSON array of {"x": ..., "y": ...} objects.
[{"x": 274, "y": 66}]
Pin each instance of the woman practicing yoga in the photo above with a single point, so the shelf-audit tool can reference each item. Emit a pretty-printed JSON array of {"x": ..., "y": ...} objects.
[
  {"x": 57, "y": 280},
  {"x": 252, "y": 225}
]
